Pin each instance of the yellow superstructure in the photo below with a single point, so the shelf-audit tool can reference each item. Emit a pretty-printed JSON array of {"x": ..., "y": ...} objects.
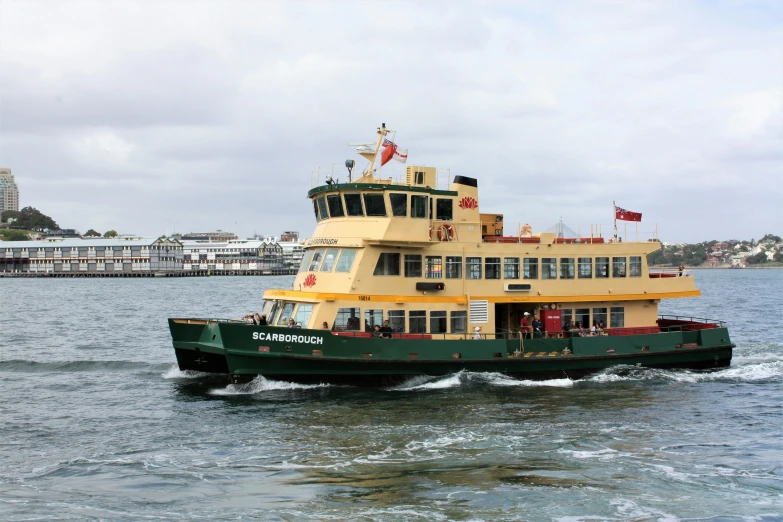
[{"x": 427, "y": 261}]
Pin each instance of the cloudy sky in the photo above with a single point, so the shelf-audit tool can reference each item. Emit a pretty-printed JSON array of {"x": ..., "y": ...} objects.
[{"x": 214, "y": 114}]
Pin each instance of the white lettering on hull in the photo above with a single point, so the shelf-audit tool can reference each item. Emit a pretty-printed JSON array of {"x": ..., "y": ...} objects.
[{"x": 288, "y": 338}]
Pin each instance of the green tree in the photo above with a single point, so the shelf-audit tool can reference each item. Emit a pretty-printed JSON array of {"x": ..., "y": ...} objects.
[
  {"x": 33, "y": 219},
  {"x": 8, "y": 214},
  {"x": 92, "y": 232},
  {"x": 110, "y": 233},
  {"x": 778, "y": 256},
  {"x": 757, "y": 259},
  {"x": 15, "y": 235}
]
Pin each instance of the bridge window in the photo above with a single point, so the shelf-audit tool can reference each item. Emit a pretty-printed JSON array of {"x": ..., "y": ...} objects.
[
  {"x": 444, "y": 209},
  {"x": 434, "y": 267},
  {"x": 335, "y": 205},
  {"x": 397, "y": 320},
  {"x": 417, "y": 321},
  {"x": 419, "y": 207},
  {"x": 353, "y": 205},
  {"x": 329, "y": 259},
  {"x": 388, "y": 265},
  {"x": 566, "y": 268},
  {"x": 492, "y": 268},
  {"x": 585, "y": 267},
  {"x": 322, "y": 208},
  {"x": 618, "y": 267},
  {"x": 617, "y": 317},
  {"x": 549, "y": 268},
  {"x": 459, "y": 321},
  {"x": 375, "y": 205},
  {"x": 453, "y": 267},
  {"x": 318, "y": 256},
  {"x": 511, "y": 268},
  {"x": 399, "y": 204},
  {"x": 636, "y": 266},
  {"x": 473, "y": 267},
  {"x": 412, "y": 265},
  {"x": 438, "y": 322},
  {"x": 601, "y": 267},
  {"x": 345, "y": 262},
  {"x": 530, "y": 268}
]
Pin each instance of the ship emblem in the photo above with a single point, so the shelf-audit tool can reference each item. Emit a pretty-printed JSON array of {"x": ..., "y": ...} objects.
[
  {"x": 309, "y": 280},
  {"x": 468, "y": 203}
]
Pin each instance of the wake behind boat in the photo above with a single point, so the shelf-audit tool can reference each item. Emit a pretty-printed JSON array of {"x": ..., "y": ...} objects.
[{"x": 411, "y": 280}]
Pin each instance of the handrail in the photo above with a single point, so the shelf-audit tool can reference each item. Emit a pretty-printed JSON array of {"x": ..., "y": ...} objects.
[{"x": 672, "y": 317}]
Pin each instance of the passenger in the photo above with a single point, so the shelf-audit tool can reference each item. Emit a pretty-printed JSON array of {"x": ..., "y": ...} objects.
[
  {"x": 538, "y": 328},
  {"x": 325, "y": 326},
  {"x": 291, "y": 323},
  {"x": 353, "y": 324},
  {"x": 376, "y": 331},
  {"x": 582, "y": 330},
  {"x": 249, "y": 318},
  {"x": 594, "y": 328},
  {"x": 256, "y": 319},
  {"x": 569, "y": 330},
  {"x": 262, "y": 321},
  {"x": 601, "y": 328},
  {"x": 477, "y": 335},
  {"x": 524, "y": 327},
  {"x": 680, "y": 270},
  {"x": 386, "y": 331}
]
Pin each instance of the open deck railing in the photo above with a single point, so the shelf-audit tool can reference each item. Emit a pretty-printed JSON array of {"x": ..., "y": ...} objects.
[{"x": 656, "y": 273}]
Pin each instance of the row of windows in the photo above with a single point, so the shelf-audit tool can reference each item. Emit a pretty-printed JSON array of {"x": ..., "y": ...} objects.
[
  {"x": 614, "y": 319},
  {"x": 441, "y": 321},
  {"x": 374, "y": 205},
  {"x": 328, "y": 260},
  {"x": 433, "y": 267}
]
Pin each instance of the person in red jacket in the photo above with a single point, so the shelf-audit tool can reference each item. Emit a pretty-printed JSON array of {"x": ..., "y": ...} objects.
[{"x": 524, "y": 326}]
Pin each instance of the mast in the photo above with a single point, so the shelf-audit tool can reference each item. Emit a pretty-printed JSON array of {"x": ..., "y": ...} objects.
[{"x": 382, "y": 132}]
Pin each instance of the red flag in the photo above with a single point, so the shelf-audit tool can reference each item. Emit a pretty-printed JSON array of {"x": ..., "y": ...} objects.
[
  {"x": 626, "y": 215},
  {"x": 391, "y": 152}
]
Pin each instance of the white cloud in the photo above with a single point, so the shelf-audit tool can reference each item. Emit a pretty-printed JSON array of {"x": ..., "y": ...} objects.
[{"x": 219, "y": 111}]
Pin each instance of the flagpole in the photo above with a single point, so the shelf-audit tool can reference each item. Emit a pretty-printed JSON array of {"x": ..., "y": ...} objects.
[{"x": 615, "y": 219}]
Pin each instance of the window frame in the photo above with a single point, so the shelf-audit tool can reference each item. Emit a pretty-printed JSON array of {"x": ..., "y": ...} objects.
[
  {"x": 492, "y": 268},
  {"x": 371, "y": 200},
  {"x": 581, "y": 273},
  {"x": 412, "y": 265},
  {"x": 398, "y": 211},
  {"x": 549, "y": 268},
  {"x": 453, "y": 269},
  {"x": 350, "y": 210},
  {"x": 433, "y": 267},
  {"x": 473, "y": 268},
  {"x": 444, "y": 209},
  {"x": 529, "y": 263}
]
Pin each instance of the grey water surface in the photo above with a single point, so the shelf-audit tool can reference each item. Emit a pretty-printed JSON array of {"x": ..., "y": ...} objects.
[{"x": 97, "y": 423}]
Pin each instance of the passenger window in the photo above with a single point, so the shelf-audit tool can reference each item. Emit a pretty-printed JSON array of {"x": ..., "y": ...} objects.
[
  {"x": 417, "y": 321},
  {"x": 388, "y": 264},
  {"x": 287, "y": 313},
  {"x": 308, "y": 257},
  {"x": 453, "y": 267},
  {"x": 585, "y": 267},
  {"x": 419, "y": 207},
  {"x": 438, "y": 322},
  {"x": 549, "y": 268},
  {"x": 412, "y": 265},
  {"x": 371, "y": 318},
  {"x": 636, "y": 266},
  {"x": 303, "y": 313},
  {"x": 346, "y": 260},
  {"x": 348, "y": 319},
  {"x": 375, "y": 205},
  {"x": 444, "y": 209},
  {"x": 335, "y": 205},
  {"x": 353, "y": 204},
  {"x": 567, "y": 268},
  {"x": 397, "y": 320},
  {"x": 434, "y": 267},
  {"x": 473, "y": 267},
  {"x": 618, "y": 267},
  {"x": 399, "y": 204},
  {"x": 601, "y": 267}
]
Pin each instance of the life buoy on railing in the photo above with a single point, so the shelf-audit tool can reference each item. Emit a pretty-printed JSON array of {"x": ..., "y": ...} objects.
[{"x": 445, "y": 232}]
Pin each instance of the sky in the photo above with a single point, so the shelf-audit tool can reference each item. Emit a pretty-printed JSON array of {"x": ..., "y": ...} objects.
[{"x": 149, "y": 116}]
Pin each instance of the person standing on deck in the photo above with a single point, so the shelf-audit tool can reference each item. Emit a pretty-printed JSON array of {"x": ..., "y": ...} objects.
[{"x": 524, "y": 326}]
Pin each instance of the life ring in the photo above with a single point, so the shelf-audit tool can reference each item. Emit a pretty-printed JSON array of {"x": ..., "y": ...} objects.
[{"x": 445, "y": 232}]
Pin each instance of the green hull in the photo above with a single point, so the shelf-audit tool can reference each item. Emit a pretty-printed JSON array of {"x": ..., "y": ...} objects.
[{"x": 244, "y": 351}]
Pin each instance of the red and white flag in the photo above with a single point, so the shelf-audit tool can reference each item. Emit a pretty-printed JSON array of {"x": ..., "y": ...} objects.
[
  {"x": 392, "y": 152},
  {"x": 626, "y": 215}
]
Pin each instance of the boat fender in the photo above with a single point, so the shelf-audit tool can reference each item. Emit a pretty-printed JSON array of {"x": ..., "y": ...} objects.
[{"x": 445, "y": 232}]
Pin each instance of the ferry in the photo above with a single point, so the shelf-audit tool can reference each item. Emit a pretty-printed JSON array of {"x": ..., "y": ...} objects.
[{"x": 402, "y": 279}]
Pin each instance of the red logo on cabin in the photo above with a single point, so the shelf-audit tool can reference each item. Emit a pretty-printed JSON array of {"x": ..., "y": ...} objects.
[
  {"x": 468, "y": 203},
  {"x": 309, "y": 280}
]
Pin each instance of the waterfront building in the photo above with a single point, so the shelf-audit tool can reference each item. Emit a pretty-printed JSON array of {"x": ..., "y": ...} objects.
[
  {"x": 9, "y": 191},
  {"x": 290, "y": 237},
  {"x": 261, "y": 255},
  {"x": 120, "y": 256},
  {"x": 217, "y": 235}
]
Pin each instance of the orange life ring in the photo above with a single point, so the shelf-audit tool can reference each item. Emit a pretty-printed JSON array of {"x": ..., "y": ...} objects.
[{"x": 445, "y": 232}]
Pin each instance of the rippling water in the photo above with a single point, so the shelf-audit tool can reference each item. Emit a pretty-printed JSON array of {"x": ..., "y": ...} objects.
[{"x": 96, "y": 422}]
